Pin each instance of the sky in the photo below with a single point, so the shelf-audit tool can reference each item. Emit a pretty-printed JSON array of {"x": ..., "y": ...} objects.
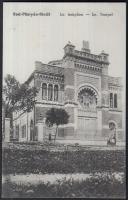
[{"x": 27, "y": 39}]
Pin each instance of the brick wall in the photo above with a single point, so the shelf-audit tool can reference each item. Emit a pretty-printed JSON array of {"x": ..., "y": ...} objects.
[
  {"x": 111, "y": 116},
  {"x": 69, "y": 94},
  {"x": 69, "y": 76},
  {"x": 117, "y": 117},
  {"x": 70, "y": 111},
  {"x": 85, "y": 79},
  {"x": 104, "y": 91},
  {"x": 40, "y": 113}
]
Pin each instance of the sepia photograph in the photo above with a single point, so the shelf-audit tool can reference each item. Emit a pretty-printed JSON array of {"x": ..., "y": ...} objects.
[{"x": 63, "y": 100}]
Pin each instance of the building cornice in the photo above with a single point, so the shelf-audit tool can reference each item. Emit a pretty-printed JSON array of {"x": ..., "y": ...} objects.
[
  {"x": 52, "y": 103},
  {"x": 115, "y": 110},
  {"x": 49, "y": 77},
  {"x": 88, "y": 68},
  {"x": 86, "y": 56}
]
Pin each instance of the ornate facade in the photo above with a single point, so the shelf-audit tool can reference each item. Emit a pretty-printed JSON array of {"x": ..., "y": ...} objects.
[{"x": 80, "y": 84}]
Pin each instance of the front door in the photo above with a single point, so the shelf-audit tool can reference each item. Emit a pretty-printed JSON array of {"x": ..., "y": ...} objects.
[{"x": 87, "y": 127}]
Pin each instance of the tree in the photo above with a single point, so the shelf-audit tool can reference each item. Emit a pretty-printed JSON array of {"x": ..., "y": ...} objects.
[
  {"x": 26, "y": 97},
  {"x": 10, "y": 97},
  {"x": 17, "y": 96},
  {"x": 56, "y": 116}
]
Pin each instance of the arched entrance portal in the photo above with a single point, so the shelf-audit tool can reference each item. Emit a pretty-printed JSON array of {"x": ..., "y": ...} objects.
[{"x": 87, "y": 113}]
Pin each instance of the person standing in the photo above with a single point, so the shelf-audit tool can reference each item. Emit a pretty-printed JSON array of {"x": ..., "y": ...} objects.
[{"x": 112, "y": 137}]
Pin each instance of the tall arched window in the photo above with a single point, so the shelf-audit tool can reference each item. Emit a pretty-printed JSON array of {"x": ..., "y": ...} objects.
[
  {"x": 115, "y": 100},
  {"x": 50, "y": 92},
  {"x": 56, "y": 93},
  {"x": 111, "y": 100},
  {"x": 44, "y": 91}
]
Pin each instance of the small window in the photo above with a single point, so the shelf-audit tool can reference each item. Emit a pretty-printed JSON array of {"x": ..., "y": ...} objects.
[
  {"x": 23, "y": 131},
  {"x": 115, "y": 100},
  {"x": 50, "y": 92},
  {"x": 56, "y": 93},
  {"x": 44, "y": 91},
  {"x": 111, "y": 100}
]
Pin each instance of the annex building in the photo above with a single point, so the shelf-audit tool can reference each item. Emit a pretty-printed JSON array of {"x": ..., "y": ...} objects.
[{"x": 80, "y": 84}]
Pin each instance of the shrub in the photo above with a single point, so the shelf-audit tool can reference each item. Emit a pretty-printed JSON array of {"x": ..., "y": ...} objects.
[{"x": 99, "y": 186}]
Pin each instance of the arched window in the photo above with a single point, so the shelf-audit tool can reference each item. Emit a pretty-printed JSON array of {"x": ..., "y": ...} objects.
[
  {"x": 115, "y": 100},
  {"x": 50, "y": 92},
  {"x": 44, "y": 91},
  {"x": 111, "y": 100},
  {"x": 56, "y": 93}
]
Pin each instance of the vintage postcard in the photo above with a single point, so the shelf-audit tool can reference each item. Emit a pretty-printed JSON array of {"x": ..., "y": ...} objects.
[{"x": 63, "y": 100}]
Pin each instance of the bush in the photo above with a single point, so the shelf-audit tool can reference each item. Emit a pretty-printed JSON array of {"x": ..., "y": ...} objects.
[{"x": 98, "y": 186}]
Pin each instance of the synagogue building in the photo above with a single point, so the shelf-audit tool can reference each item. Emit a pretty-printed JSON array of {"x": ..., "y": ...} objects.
[{"x": 80, "y": 84}]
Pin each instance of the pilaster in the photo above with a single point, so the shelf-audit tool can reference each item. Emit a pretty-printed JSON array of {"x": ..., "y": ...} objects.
[
  {"x": 40, "y": 126},
  {"x": 7, "y": 130}
]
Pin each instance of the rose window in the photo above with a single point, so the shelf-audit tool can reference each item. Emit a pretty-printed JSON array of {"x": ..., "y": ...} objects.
[{"x": 87, "y": 98}]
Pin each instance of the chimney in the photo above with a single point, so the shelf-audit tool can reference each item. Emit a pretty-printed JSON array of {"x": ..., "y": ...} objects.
[{"x": 85, "y": 47}]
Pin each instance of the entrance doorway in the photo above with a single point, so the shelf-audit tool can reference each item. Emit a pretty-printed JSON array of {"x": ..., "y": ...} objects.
[
  {"x": 87, "y": 113},
  {"x": 87, "y": 127}
]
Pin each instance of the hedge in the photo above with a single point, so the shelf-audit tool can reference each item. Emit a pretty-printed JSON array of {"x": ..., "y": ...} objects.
[{"x": 26, "y": 161}]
